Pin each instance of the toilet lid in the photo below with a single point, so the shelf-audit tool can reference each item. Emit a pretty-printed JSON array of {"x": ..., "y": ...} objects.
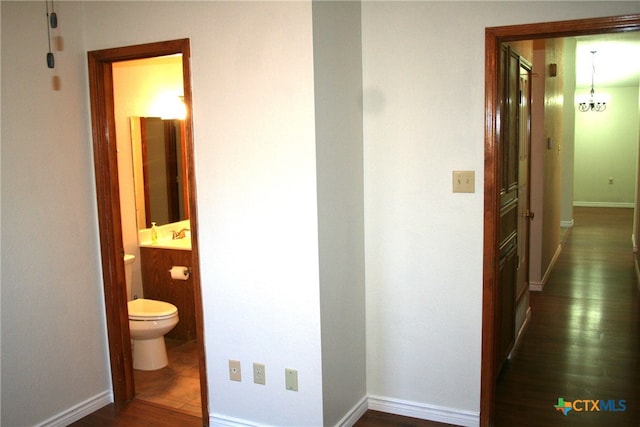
[{"x": 146, "y": 309}]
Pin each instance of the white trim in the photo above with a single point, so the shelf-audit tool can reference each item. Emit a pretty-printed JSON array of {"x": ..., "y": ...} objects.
[
  {"x": 527, "y": 317},
  {"x": 567, "y": 224},
  {"x": 79, "y": 411},
  {"x": 537, "y": 286},
  {"x": 637, "y": 270},
  {"x": 423, "y": 411},
  {"x": 354, "y": 414},
  {"x": 219, "y": 420},
  {"x": 604, "y": 204}
]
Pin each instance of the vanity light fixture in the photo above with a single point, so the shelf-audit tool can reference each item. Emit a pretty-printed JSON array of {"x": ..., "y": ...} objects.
[
  {"x": 592, "y": 104},
  {"x": 171, "y": 107},
  {"x": 52, "y": 22}
]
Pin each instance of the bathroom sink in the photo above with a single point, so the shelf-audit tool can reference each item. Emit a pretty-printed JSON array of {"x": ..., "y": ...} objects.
[{"x": 181, "y": 244}]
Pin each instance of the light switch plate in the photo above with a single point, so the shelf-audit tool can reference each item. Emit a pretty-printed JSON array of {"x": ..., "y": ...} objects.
[
  {"x": 464, "y": 181},
  {"x": 291, "y": 379}
]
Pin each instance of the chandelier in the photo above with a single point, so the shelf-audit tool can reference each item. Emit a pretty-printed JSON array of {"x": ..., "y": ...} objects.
[{"x": 592, "y": 104}]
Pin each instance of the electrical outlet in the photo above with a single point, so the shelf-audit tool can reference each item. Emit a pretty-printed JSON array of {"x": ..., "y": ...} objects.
[
  {"x": 234, "y": 370},
  {"x": 259, "y": 375},
  {"x": 291, "y": 379}
]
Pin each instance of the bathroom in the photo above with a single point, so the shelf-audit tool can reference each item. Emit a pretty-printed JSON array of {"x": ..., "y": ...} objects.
[{"x": 148, "y": 105}]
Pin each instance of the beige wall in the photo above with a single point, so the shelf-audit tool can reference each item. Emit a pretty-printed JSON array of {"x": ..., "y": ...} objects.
[
  {"x": 636, "y": 219},
  {"x": 606, "y": 145},
  {"x": 553, "y": 125},
  {"x": 547, "y": 147},
  {"x": 568, "y": 132}
]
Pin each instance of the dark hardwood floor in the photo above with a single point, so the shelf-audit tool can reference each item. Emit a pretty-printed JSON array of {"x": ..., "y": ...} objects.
[
  {"x": 583, "y": 339},
  {"x": 582, "y": 343},
  {"x": 382, "y": 419},
  {"x": 137, "y": 413}
]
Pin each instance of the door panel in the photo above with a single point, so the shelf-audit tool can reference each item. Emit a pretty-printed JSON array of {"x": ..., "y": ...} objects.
[
  {"x": 513, "y": 87},
  {"x": 524, "y": 215}
]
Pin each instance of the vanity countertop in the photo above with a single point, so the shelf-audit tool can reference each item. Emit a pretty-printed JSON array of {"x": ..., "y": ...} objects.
[{"x": 180, "y": 244}]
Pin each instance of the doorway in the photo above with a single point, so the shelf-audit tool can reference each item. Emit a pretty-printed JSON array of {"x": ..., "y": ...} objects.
[
  {"x": 101, "y": 85},
  {"x": 492, "y": 173}
]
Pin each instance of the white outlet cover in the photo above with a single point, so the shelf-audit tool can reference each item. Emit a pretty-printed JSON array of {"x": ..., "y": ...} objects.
[
  {"x": 235, "y": 374},
  {"x": 259, "y": 375}
]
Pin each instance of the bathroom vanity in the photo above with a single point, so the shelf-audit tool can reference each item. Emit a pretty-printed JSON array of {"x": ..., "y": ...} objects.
[{"x": 157, "y": 284}]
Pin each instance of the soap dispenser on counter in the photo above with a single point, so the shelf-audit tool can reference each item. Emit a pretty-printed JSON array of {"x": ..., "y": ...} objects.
[{"x": 154, "y": 233}]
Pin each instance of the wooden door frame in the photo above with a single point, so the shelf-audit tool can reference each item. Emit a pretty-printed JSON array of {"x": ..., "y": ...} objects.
[
  {"x": 109, "y": 218},
  {"x": 493, "y": 37}
]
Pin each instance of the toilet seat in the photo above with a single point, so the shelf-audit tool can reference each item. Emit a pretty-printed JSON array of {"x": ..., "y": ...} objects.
[{"x": 148, "y": 309}]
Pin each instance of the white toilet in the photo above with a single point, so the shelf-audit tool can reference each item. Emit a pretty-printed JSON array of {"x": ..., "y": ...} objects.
[{"x": 149, "y": 321}]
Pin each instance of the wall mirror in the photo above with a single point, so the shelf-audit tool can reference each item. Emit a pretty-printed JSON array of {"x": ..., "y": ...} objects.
[
  {"x": 159, "y": 170},
  {"x": 150, "y": 114}
]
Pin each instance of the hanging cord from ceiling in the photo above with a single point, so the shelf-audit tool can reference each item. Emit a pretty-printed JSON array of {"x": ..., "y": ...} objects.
[{"x": 52, "y": 22}]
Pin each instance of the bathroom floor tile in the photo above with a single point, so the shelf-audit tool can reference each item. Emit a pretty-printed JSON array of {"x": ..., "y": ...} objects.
[{"x": 177, "y": 385}]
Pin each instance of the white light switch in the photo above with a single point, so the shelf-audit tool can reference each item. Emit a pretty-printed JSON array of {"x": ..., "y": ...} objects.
[
  {"x": 464, "y": 181},
  {"x": 291, "y": 379}
]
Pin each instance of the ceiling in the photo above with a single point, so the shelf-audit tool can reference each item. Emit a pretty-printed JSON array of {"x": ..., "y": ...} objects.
[{"x": 616, "y": 61}]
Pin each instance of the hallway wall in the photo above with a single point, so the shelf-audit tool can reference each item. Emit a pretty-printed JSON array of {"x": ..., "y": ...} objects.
[
  {"x": 423, "y": 82},
  {"x": 606, "y": 147}
]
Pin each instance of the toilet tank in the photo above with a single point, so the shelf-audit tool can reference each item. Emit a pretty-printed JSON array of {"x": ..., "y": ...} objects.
[{"x": 128, "y": 272}]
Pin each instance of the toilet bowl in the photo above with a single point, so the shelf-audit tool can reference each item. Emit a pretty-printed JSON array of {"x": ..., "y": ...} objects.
[{"x": 149, "y": 321}]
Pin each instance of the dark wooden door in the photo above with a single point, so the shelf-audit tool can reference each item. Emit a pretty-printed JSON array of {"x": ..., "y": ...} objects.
[
  {"x": 514, "y": 195},
  {"x": 524, "y": 213}
]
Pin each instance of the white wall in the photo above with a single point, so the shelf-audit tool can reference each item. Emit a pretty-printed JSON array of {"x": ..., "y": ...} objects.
[
  {"x": 256, "y": 181},
  {"x": 423, "y": 82},
  {"x": 568, "y": 132},
  {"x": 255, "y": 171},
  {"x": 338, "y": 90},
  {"x": 252, "y": 72},
  {"x": 606, "y": 147},
  {"x": 54, "y": 353}
]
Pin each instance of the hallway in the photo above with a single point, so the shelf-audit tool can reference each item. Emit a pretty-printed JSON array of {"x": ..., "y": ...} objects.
[{"x": 583, "y": 339}]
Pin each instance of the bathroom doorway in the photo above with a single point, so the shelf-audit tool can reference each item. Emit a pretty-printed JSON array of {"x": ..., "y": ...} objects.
[{"x": 112, "y": 227}]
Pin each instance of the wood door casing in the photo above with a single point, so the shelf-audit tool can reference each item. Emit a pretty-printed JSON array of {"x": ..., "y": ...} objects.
[
  {"x": 109, "y": 217},
  {"x": 494, "y": 36}
]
